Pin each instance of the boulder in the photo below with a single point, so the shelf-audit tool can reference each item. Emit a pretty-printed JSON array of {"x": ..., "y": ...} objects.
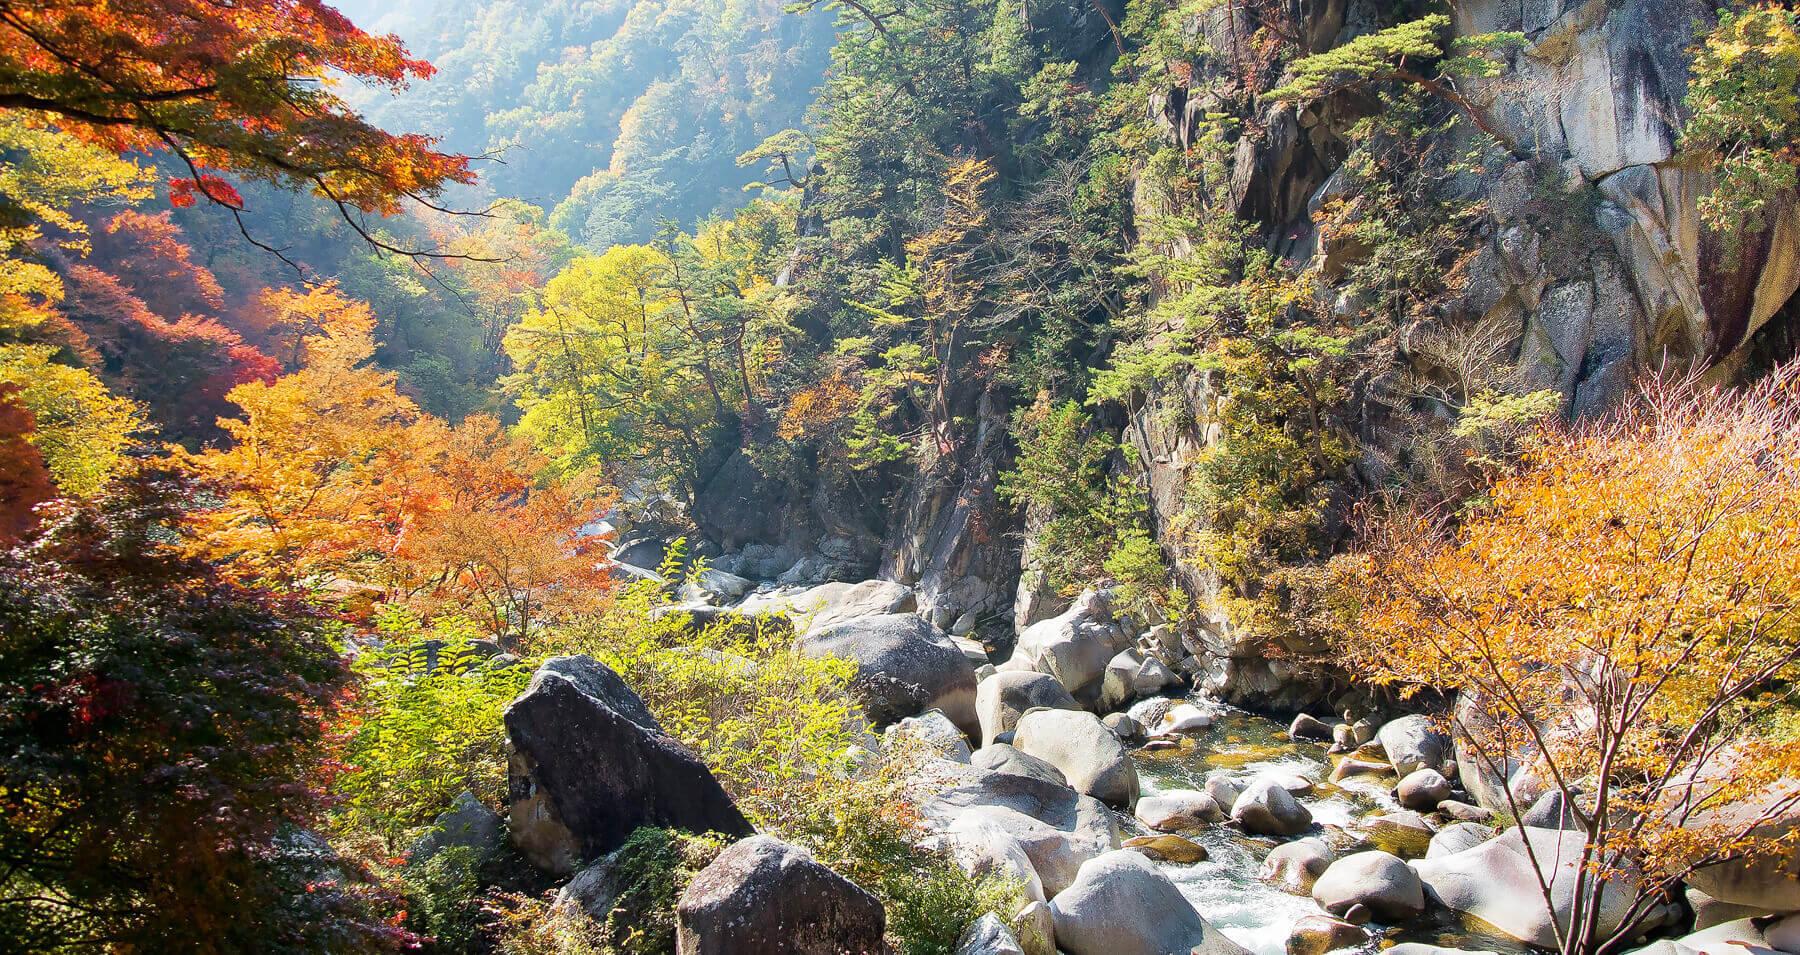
[
  {"x": 1379, "y": 881},
  {"x": 1318, "y": 934},
  {"x": 1550, "y": 811},
  {"x": 762, "y": 896},
  {"x": 904, "y": 666},
  {"x": 1058, "y": 827},
  {"x": 985, "y": 848},
  {"x": 1497, "y": 883},
  {"x": 1309, "y": 727},
  {"x": 1119, "y": 904},
  {"x": 589, "y": 765},
  {"x": 1153, "y": 677},
  {"x": 1402, "y": 832},
  {"x": 1005, "y": 758},
  {"x": 1412, "y": 744},
  {"x": 1420, "y": 948},
  {"x": 1035, "y": 928},
  {"x": 1089, "y": 755},
  {"x": 1267, "y": 809},
  {"x": 1225, "y": 788},
  {"x": 1296, "y": 866},
  {"x": 1123, "y": 726},
  {"x": 1709, "y": 911},
  {"x": 467, "y": 824},
  {"x": 715, "y": 587},
  {"x": 931, "y": 730},
  {"x": 1746, "y": 936},
  {"x": 1771, "y": 881},
  {"x": 1351, "y": 766},
  {"x": 1179, "y": 810},
  {"x": 1464, "y": 812},
  {"x": 1168, "y": 848},
  {"x": 1074, "y": 647},
  {"x": 1422, "y": 789},
  {"x": 1186, "y": 719},
  {"x": 1001, "y": 699},
  {"x": 988, "y": 936},
  {"x": 1458, "y": 837}
]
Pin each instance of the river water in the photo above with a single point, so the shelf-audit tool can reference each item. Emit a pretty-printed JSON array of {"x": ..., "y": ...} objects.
[{"x": 1224, "y": 888}]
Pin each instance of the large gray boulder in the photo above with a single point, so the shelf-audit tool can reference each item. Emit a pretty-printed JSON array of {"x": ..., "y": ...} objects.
[
  {"x": 1497, "y": 883},
  {"x": 1089, "y": 755},
  {"x": 467, "y": 824},
  {"x": 1422, "y": 790},
  {"x": 985, "y": 848},
  {"x": 1458, "y": 837},
  {"x": 589, "y": 765},
  {"x": 1074, "y": 647},
  {"x": 931, "y": 731},
  {"x": 828, "y": 605},
  {"x": 1771, "y": 880},
  {"x": 1120, "y": 904},
  {"x": 988, "y": 936},
  {"x": 1379, "y": 881},
  {"x": 1265, "y": 808},
  {"x": 1058, "y": 827},
  {"x": 1002, "y": 698},
  {"x": 1004, "y": 758},
  {"x": 762, "y": 896},
  {"x": 1178, "y": 810},
  {"x": 904, "y": 666},
  {"x": 1412, "y": 744},
  {"x": 1296, "y": 866}
]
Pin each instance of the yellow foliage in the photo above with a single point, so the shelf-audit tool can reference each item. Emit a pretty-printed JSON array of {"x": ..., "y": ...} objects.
[
  {"x": 83, "y": 429},
  {"x": 1624, "y": 612}
]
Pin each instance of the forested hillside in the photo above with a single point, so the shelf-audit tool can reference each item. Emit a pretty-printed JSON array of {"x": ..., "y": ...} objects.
[{"x": 723, "y": 476}]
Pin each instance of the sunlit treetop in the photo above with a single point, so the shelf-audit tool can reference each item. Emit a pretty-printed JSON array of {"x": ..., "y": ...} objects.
[{"x": 242, "y": 88}]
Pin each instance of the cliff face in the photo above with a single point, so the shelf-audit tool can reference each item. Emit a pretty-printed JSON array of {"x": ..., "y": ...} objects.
[{"x": 1590, "y": 268}]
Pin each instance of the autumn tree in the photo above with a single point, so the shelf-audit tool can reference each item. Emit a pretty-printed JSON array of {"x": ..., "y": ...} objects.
[
  {"x": 243, "y": 89},
  {"x": 81, "y": 429},
  {"x": 1619, "y": 621},
  {"x": 163, "y": 726},
  {"x": 24, "y": 480},
  {"x": 608, "y": 372},
  {"x": 489, "y": 532},
  {"x": 302, "y": 476}
]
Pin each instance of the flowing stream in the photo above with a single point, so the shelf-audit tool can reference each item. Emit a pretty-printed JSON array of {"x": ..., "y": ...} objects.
[{"x": 1224, "y": 888}]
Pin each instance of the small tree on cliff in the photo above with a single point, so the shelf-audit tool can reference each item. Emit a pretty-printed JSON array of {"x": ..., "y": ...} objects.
[{"x": 1621, "y": 622}]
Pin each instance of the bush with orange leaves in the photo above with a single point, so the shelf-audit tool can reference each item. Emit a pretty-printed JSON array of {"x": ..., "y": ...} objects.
[{"x": 1622, "y": 626}]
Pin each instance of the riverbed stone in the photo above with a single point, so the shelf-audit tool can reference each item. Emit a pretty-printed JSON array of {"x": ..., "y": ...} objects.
[
  {"x": 984, "y": 848},
  {"x": 1168, "y": 848},
  {"x": 931, "y": 730},
  {"x": 1458, "y": 837},
  {"x": 1073, "y": 647},
  {"x": 1351, "y": 766},
  {"x": 1089, "y": 755},
  {"x": 1309, "y": 727},
  {"x": 904, "y": 666},
  {"x": 1379, "y": 880},
  {"x": 1496, "y": 882},
  {"x": 1465, "y": 812},
  {"x": 1120, "y": 904},
  {"x": 1035, "y": 928},
  {"x": 988, "y": 936},
  {"x": 1001, "y": 699},
  {"x": 1058, "y": 827},
  {"x": 1225, "y": 788},
  {"x": 762, "y": 896},
  {"x": 1186, "y": 719},
  {"x": 1422, "y": 790},
  {"x": 1179, "y": 810},
  {"x": 1267, "y": 809},
  {"x": 1318, "y": 934},
  {"x": 1296, "y": 866},
  {"x": 1123, "y": 726},
  {"x": 1412, "y": 743},
  {"x": 1005, "y": 758}
]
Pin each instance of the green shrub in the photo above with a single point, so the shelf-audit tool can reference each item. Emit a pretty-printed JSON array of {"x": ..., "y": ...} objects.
[{"x": 425, "y": 735}]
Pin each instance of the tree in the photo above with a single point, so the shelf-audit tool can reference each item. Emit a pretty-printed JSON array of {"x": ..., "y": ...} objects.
[
  {"x": 162, "y": 727},
  {"x": 608, "y": 372},
  {"x": 1744, "y": 95},
  {"x": 1620, "y": 623},
  {"x": 24, "y": 480},
  {"x": 81, "y": 429},
  {"x": 302, "y": 475},
  {"x": 241, "y": 88},
  {"x": 489, "y": 533}
]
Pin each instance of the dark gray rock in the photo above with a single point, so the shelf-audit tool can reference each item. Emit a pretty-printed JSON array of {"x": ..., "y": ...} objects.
[
  {"x": 590, "y": 764},
  {"x": 904, "y": 666},
  {"x": 1004, "y": 758},
  {"x": 1003, "y": 697},
  {"x": 467, "y": 824},
  {"x": 762, "y": 896}
]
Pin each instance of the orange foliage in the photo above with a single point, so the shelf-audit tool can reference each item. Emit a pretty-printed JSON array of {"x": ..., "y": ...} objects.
[
  {"x": 24, "y": 481},
  {"x": 239, "y": 87},
  {"x": 1623, "y": 611},
  {"x": 815, "y": 410}
]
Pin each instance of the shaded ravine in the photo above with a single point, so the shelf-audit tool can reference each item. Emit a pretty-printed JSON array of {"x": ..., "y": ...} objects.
[{"x": 1225, "y": 889}]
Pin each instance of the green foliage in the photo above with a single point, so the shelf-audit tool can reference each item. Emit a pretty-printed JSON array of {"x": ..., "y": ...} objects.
[
  {"x": 1372, "y": 56},
  {"x": 1744, "y": 93},
  {"x": 427, "y": 733},
  {"x": 762, "y": 716},
  {"x": 83, "y": 429},
  {"x": 651, "y": 869}
]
